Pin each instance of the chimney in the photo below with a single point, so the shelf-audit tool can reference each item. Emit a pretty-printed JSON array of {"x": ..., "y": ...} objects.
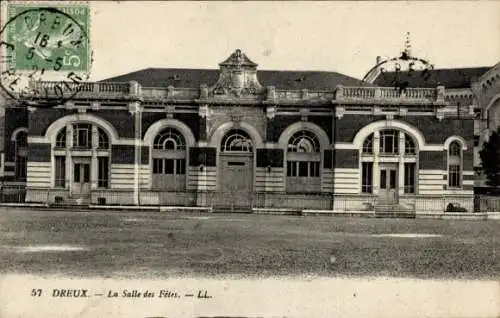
[{"x": 378, "y": 60}]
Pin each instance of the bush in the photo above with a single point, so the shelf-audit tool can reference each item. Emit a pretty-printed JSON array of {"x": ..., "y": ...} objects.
[{"x": 455, "y": 208}]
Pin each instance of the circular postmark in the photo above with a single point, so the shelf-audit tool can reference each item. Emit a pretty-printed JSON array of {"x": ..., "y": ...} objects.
[{"x": 45, "y": 55}]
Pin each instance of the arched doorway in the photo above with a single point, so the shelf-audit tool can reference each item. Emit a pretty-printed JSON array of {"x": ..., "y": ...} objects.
[
  {"x": 82, "y": 152},
  {"x": 236, "y": 169},
  {"x": 389, "y": 160}
]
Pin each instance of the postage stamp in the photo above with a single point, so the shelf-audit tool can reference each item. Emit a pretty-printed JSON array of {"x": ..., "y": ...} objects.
[
  {"x": 45, "y": 41},
  {"x": 50, "y": 38}
]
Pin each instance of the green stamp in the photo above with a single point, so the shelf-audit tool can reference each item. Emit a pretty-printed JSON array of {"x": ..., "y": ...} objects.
[{"x": 47, "y": 38}]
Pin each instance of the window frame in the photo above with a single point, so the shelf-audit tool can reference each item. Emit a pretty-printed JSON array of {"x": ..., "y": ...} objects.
[
  {"x": 60, "y": 171},
  {"x": 455, "y": 165},
  {"x": 103, "y": 172},
  {"x": 367, "y": 177},
  {"x": 383, "y": 142},
  {"x": 169, "y": 134},
  {"x": 61, "y": 138},
  {"x": 368, "y": 144},
  {"x": 233, "y": 136},
  {"x": 410, "y": 178},
  {"x": 82, "y": 127}
]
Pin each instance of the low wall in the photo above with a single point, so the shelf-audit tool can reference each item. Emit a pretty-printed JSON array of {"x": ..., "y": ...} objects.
[
  {"x": 439, "y": 204},
  {"x": 354, "y": 202},
  {"x": 147, "y": 198},
  {"x": 297, "y": 201},
  {"x": 458, "y": 215},
  {"x": 44, "y": 195}
]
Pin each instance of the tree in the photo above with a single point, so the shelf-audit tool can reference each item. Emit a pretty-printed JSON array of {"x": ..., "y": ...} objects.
[{"x": 490, "y": 159}]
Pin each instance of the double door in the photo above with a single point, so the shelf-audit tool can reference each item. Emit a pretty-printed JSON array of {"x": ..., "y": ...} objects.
[
  {"x": 81, "y": 177},
  {"x": 388, "y": 188}
]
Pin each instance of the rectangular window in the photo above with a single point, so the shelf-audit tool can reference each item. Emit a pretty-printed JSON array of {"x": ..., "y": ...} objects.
[
  {"x": 82, "y": 136},
  {"x": 60, "y": 177},
  {"x": 383, "y": 179},
  {"x": 314, "y": 172},
  {"x": 454, "y": 178},
  {"x": 158, "y": 166},
  {"x": 103, "y": 172},
  {"x": 76, "y": 173},
  {"x": 303, "y": 168},
  {"x": 367, "y": 177},
  {"x": 169, "y": 166},
  {"x": 410, "y": 177},
  {"x": 86, "y": 172},
  {"x": 389, "y": 143},
  {"x": 392, "y": 179},
  {"x": 291, "y": 168},
  {"x": 21, "y": 166},
  {"x": 180, "y": 166}
]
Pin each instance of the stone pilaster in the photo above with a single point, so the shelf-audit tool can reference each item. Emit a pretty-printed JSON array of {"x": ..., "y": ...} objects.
[
  {"x": 401, "y": 164},
  {"x": 376, "y": 162}
]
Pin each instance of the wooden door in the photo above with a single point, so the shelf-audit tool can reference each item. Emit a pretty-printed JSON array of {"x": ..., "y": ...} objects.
[{"x": 236, "y": 180}]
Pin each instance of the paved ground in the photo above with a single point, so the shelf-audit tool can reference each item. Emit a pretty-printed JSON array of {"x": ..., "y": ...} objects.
[{"x": 139, "y": 244}]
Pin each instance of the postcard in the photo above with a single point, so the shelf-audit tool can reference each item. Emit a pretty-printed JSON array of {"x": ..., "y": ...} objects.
[{"x": 249, "y": 159}]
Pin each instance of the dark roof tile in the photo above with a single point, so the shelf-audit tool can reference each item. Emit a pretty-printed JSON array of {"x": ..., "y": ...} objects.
[{"x": 193, "y": 78}]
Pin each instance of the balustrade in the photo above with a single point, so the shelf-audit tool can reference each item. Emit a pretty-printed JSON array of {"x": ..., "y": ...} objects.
[
  {"x": 386, "y": 93},
  {"x": 342, "y": 93}
]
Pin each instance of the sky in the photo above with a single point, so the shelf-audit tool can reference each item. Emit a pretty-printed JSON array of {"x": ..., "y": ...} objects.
[{"x": 345, "y": 37}]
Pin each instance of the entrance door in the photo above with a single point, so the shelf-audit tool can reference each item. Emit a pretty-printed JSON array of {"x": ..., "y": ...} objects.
[
  {"x": 81, "y": 178},
  {"x": 388, "y": 189},
  {"x": 236, "y": 180}
]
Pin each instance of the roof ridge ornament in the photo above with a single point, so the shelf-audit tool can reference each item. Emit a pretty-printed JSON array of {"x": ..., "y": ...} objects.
[
  {"x": 238, "y": 77},
  {"x": 238, "y": 60},
  {"x": 406, "y": 54}
]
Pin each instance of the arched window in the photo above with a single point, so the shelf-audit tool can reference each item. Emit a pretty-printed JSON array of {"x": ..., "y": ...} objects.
[
  {"x": 303, "y": 162},
  {"x": 455, "y": 165},
  {"x": 61, "y": 138},
  {"x": 169, "y": 160},
  {"x": 169, "y": 139},
  {"x": 237, "y": 140},
  {"x": 21, "y": 140},
  {"x": 103, "y": 141},
  {"x": 409, "y": 145},
  {"x": 304, "y": 141},
  {"x": 368, "y": 145}
]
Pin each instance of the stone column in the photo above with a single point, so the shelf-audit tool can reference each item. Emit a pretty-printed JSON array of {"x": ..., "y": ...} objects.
[
  {"x": 136, "y": 111},
  {"x": 93, "y": 160},
  {"x": 401, "y": 164},
  {"x": 69, "y": 159},
  {"x": 376, "y": 162}
]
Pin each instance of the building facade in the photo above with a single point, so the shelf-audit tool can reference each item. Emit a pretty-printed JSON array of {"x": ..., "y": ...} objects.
[{"x": 241, "y": 138}]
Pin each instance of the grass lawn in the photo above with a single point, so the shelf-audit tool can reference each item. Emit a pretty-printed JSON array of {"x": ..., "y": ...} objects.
[{"x": 137, "y": 244}]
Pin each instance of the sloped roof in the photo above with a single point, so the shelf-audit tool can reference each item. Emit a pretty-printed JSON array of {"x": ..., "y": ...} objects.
[
  {"x": 449, "y": 78},
  {"x": 193, "y": 78}
]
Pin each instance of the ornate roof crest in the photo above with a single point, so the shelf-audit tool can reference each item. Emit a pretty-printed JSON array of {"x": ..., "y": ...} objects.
[
  {"x": 238, "y": 60},
  {"x": 238, "y": 77}
]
